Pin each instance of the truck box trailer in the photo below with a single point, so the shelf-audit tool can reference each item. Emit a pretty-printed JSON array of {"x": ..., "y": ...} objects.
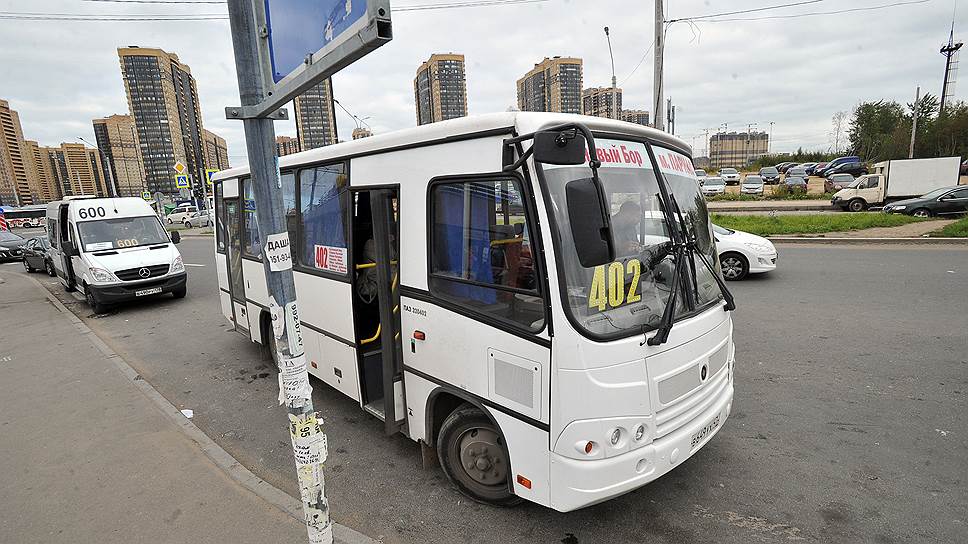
[{"x": 898, "y": 179}]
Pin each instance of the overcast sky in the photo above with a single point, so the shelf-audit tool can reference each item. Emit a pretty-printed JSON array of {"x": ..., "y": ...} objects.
[{"x": 794, "y": 72}]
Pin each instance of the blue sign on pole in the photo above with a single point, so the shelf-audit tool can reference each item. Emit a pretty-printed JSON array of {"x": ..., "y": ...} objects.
[{"x": 299, "y": 28}]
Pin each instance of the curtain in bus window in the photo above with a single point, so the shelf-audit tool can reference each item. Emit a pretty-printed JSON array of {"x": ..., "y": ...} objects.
[
  {"x": 292, "y": 213},
  {"x": 321, "y": 194},
  {"x": 462, "y": 239},
  {"x": 252, "y": 241}
]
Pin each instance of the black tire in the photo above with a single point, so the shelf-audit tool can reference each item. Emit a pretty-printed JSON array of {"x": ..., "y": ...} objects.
[
  {"x": 921, "y": 212},
  {"x": 27, "y": 267},
  {"x": 188, "y": 224},
  {"x": 856, "y": 205},
  {"x": 180, "y": 292},
  {"x": 268, "y": 346},
  {"x": 49, "y": 266},
  {"x": 92, "y": 301},
  {"x": 170, "y": 222},
  {"x": 734, "y": 266},
  {"x": 472, "y": 453}
]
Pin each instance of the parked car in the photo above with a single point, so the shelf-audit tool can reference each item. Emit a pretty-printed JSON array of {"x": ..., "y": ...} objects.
[
  {"x": 197, "y": 219},
  {"x": 837, "y": 182},
  {"x": 770, "y": 174},
  {"x": 852, "y": 168},
  {"x": 836, "y": 162},
  {"x": 796, "y": 183},
  {"x": 11, "y": 246},
  {"x": 797, "y": 171},
  {"x": 963, "y": 171},
  {"x": 742, "y": 253},
  {"x": 179, "y": 214},
  {"x": 35, "y": 253},
  {"x": 784, "y": 166},
  {"x": 714, "y": 186},
  {"x": 807, "y": 167},
  {"x": 944, "y": 201},
  {"x": 752, "y": 185},
  {"x": 729, "y": 175},
  {"x": 818, "y": 168},
  {"x": 700, "y": 175}
]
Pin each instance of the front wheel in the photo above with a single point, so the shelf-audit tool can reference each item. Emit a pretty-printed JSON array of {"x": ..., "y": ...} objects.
[
  {"x": 27, "y": 266},
  {"x": 921, "y": 212},
  {"x": 50, "y": 269},
  {"x": 180, "y": 292},
  {"x": 92, "y": 301},
  {"x": 734, "y": 266},
  {"x": 170, "y": 222},
  {"x": 856, "y": 205},
  {"x": 471, "y": 452}
]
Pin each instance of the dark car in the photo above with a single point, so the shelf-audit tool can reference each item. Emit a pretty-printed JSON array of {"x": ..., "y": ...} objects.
[
  {"x": 808, "y": 167},
  {"x": 797, "y": 172},
  {"x": 784, "y": 166},
  {"x": 770, "y": 174},
  {"x": 11, "y": 246},
  {"x": 796, "y": 183},
  {"x": 964, "y": 168},
  {"x": 815, "y": 171},
  {"x": 853, "y": 168},
  {"x": 837, "y": 182},
  {"x": 946, "y": 201},
  {"x": 35, "y": 255},
  {"x": 835, "y": 163}
]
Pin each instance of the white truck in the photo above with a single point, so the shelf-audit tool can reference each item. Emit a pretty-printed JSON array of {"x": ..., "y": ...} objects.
[{"x": 896, "y": 180}]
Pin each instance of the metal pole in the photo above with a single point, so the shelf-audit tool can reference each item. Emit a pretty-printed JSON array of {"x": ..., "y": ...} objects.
[
  {"x": 249, "y": 32},
  {"x": 657, "y": 68},
  {"x": 770, "y": 141},
  {"x": 615, "y": 113},
  {"x": 914, "y": 121}
]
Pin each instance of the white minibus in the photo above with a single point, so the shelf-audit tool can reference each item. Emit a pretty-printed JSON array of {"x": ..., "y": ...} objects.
[
  {"x": 530, "y": 296},
  {"x": 113, "y": 250}
]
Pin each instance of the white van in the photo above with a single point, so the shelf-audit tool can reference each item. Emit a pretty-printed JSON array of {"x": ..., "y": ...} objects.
[{"x": 113, "y": 250}]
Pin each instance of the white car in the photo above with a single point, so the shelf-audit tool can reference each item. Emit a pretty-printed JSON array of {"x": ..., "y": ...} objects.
[
  {"x": 701, "y": 175},
  {"x": 197, "y": 219},
  {"x": 742, "y": 253},
  {"x": 179, "y": 214},
  {"x": 752, "y": 185},
  {"x": 729, "y": 175},
  {"x": 713, "y": 186}
]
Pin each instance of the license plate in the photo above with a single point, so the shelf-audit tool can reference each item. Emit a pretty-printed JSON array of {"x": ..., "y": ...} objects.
[
  {"x": 143, "y": 292},
  {"x": 704, "y": 432}
]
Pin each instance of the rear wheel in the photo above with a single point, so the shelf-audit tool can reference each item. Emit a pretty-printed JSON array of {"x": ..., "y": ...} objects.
[
  {"x": 50, "y": 268},
  {"x": 471, "y": 452},
  {"x": 921, "y": 212},
  {"x": 734, "y": 266},
  {"x": 27, "y": 266},
  {"x": 856, "y": 205}
]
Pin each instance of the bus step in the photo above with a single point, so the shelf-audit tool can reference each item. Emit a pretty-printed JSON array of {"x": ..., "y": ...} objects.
[{"x": 376, "y": 408}]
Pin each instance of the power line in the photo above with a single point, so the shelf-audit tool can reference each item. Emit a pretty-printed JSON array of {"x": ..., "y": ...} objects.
[
  {"x": 644, "y": 55},
  {"x": 834, "y": 12},
  {"x": 765, "y": 8}
]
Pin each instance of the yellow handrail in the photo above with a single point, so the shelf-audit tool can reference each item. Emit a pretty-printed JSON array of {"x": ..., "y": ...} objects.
[{"x": 396, "y": 309}]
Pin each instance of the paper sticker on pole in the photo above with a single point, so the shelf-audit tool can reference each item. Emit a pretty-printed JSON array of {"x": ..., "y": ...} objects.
[
  {"x": 277, "y": 252},
  {"x": 293, "y": 380}
]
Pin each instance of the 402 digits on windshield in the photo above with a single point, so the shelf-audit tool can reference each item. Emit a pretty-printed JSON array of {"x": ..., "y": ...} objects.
[{"x": 608, "y": 285}]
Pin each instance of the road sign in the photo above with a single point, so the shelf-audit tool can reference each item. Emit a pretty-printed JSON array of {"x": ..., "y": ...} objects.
[
  {"x": 181, "y": 181},
  {"x": 179, "y": 167},
  {"x": 209, "y": 172},
  {"x": 146, "y": 195},
  {"x": 3, "y": 221}
]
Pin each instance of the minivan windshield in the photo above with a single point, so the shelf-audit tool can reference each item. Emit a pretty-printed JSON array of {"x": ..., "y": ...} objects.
[
  {"x": 629, "y": 295},
  {"x": 121, "y": 232}
]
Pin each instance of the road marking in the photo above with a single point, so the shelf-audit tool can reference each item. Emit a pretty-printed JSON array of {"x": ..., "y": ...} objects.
[{"x": 191, "y": 264}]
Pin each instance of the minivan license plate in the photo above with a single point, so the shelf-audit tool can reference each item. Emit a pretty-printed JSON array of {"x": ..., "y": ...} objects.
[
  {"x": 704, "y": 432},
  {"x": 143, "y": 292}
]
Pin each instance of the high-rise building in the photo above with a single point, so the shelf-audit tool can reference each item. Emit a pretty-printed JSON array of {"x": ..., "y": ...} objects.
[
  {"x": 554, "y": 84},
  {"x": 163, "y": 100},
  {"x": 360, "y": 132},
  {"x": 117, "y": 138},
  {"x": 286, "y": 145},
  {"x": 597, "y": 101},
  {"x": 17, "y": 183},
  {"x": 50, "y": 189},
  {"x": 737, "y": 149},
  {"x": 639, "y": 117},
  {"x": 440, "y": 89},
  {"x": 315, "y": 116},
  {"x": 216, "y": 151},
  {"x": 77, "y": 170}
]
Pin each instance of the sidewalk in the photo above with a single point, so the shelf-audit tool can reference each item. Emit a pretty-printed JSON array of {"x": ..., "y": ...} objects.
[{"x": 88, "y": 455}]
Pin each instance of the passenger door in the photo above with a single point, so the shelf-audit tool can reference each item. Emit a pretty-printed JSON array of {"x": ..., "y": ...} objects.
[
  {"x": 233, "y": 255},
  {"x": 955, "y": 202}
]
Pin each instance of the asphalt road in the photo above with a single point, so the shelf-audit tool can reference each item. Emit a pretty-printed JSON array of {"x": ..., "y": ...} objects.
[{"x": 848, "y": 423}]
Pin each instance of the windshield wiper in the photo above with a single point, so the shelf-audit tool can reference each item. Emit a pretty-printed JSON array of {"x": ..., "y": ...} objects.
[
  {"x": 691, "y": 246},
  {"x": 665, "y": 325}
]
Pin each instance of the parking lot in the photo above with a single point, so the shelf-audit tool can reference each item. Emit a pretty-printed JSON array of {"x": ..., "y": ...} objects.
[{"x": 847, "y": 424}]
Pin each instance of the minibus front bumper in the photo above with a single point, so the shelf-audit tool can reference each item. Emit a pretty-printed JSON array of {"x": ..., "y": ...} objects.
[
  {"x": 580, "y": 483},
  {"x": 121, "y": 292}
]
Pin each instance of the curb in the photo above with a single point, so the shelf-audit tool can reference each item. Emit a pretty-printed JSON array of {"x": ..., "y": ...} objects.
[
  {"x": 870, "y": 241},
  {"x": 230, "y": 465},
  {"x": 764, "y": 208}
]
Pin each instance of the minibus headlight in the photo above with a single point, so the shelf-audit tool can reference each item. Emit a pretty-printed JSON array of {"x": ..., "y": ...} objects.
[
  {"x": 178, "y": 265},
  {"x": 639, "y": 432},
  {"x": 616, "y": 436},
  {"x": 101, "y": 274}
]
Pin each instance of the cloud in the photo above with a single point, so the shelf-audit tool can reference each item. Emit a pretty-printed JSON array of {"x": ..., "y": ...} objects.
[{"x": 793, "y": 72}]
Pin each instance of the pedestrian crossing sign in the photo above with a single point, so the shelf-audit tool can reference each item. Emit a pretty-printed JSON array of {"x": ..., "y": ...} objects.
[
  {"x": 209, "y": 172},
  {"x": 146, "y": 195},
  {"x": 181, "y": 181}
]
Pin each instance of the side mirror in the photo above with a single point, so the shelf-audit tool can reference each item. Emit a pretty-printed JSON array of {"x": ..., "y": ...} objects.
[
  {"x": 69, "y": 249},
  {"x": 559, "y": 147},
  {"x": 175, "y": 237},
  {"x": 589, "y": 224}
]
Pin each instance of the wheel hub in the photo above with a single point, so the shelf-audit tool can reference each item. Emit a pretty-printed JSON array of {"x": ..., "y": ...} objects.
[{"x": 482, "y": 457}]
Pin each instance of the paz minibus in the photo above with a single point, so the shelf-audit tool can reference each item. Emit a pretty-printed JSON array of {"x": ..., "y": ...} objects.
[
  {"x": 530, "y": 296},
  {"x": 113, "y": 250}
]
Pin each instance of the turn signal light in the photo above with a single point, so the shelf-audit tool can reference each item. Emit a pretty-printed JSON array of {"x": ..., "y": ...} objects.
[
  {"x": 524, "y": 481},
  {"x": 419, "y": 335},
  {"x": 589, "y": 447}
]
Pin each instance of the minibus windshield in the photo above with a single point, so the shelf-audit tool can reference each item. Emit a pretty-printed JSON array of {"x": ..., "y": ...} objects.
[
  {"x": 122, "y": 232},
  {"x": 629, "y": 295}
]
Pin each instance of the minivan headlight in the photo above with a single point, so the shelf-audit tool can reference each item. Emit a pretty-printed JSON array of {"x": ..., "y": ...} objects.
[
  {"x": 100, "y": 274},
  {"x": 178, "y": 265}
]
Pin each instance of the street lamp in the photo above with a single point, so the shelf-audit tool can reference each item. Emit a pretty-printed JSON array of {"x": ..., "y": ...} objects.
[
  {"x": 614, "y": 86},
  {"x": 113, "y": 190}
]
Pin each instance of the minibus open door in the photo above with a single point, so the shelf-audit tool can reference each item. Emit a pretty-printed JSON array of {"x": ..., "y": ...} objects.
[{"x": 67, "y": 246}]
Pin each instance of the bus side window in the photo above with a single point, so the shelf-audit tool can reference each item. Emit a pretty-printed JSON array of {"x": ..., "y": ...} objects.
[
  {"x": 323, "y": 201},
  {"x": 251, "y": 238},
  {"x": 481, "y": 253},
  {"x": 219, "y": 227}
]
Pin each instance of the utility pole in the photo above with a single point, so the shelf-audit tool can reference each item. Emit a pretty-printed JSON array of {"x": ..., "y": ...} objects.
[
  {"x": 615, "y": 113},
  {"x": 749, "y": 136},
  {"x": 657, "y": 68},
  {"x": 706, "y": 130},
  {"x": 671, "y": 116},
  {"x": 769, "y": 142},
  {"x": 914, "y": 121},
  {"x": 248, "y": 25},
  {"x": 112, "y": 189}
]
